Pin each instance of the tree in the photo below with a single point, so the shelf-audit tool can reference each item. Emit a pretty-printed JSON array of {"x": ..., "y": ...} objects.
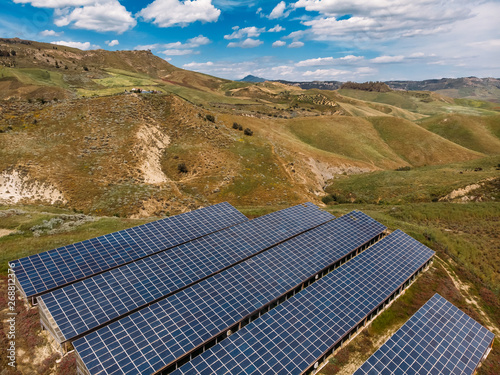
[{"x": 248, "y": 131}]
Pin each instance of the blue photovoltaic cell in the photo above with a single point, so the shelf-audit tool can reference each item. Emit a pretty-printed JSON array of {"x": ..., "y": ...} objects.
[
  {"x": 294, "y": 335},
  {"x": 42, "y": 272},
  {"x": 195, "y": 315},
  {"x": 438, "y": 339},
  {"x": 82, "y": 306}
]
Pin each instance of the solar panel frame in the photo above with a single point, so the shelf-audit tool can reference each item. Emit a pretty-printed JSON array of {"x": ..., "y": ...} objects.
[
  {"x": 86, "y": 305},
  {"x": 299, "y": 332},
  {"x": 43, "y": 272},
  {"x": 251, "y": 286},
  {"x": 419, "y": 345}
]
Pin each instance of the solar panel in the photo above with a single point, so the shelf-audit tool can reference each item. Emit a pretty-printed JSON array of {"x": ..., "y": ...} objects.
[
  {"x": 42, "y": 272},
  {"x": 90, "y": 303},
  {"x": 294, "y": 335},
  {"x": 437, "y": 339},
  {"x": 195, "y": 315}
]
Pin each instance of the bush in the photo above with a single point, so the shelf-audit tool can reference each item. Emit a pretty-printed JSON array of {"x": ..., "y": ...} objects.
[
  {"x": 400, "y": 169},
  {"x": 248, "y": 131},
  {"x": 235, "y": 125},
  {"x": 85, "y": 68},
  {"x": 240, "y": 127},
  {"x": 328, "y": 199},
  {"x": 182, "y": 168},
  {"x": 210, "y": 118}
]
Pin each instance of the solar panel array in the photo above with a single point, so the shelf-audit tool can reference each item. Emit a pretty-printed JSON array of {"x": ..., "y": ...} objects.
[
  {"x": 294, "y": 335},
  {"x": 156, "y": 336},
  {"x": 42, "y": 272},
  {"x": 437, "y": 339},
  {"x": 85, "y": 305}
]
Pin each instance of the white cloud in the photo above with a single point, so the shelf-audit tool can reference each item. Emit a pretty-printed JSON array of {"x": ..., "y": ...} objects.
[
  {"x": 50, "y": 33},
  {"x": 179, "y": 52},
  {"x": 276, "y": 29},
  {"x": 249, "y": 32},
  {"x": 324, "y": 61},
  {"x": 197, "y": 41},
  {"x": 316, "y": 62},
  {"x": 195, "y": 65},
  {"x": 79, "y": 45},
  {"x": 486, "y": 44},
  {"x": 296, "y": 45},
  {"x": 326, "y": 74},
  {"x": 417, "y": 55},
  {"x": 351, "y": 58},
  {"x": 109, "y": 15},
  {"x": 167, "y": 13},
  {"x": 384, "y": 19},
  {"x": 387, "y": 59},
  {"x": 112, "y": 43},
  {"x": 279, "y": 11},
  {"x": 176, "y": 48},
  {"x": 279, "y": 43},
  {"x": 247, "y": 43},
  {"x": 56, "y": 3}
]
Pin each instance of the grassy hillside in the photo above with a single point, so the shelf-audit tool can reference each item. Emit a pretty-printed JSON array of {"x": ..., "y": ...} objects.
[
  {"x": 481, "y": 134},
  {"x": 424, "y": 184},
  {"x": 417, "y": 146}
]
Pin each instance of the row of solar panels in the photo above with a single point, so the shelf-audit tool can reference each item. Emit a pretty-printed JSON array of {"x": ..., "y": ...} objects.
[{"x": 196, "y": 292}]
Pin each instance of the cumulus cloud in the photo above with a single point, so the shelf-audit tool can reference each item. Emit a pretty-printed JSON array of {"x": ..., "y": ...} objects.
[
  {"x": 197, "y": 41},
  {"x": 321, "y": 61},
  {"x": 97, "y": 15},
  {"x": 387, "y": 59},
  {"x": 247, "y": 43},
  {"x": 112, "y": 43},
  {"x": 279, "y": 11},
  {"x": 249, "y": 32},
  {"x": 56, "y": 3},
  {"x": 50, "y": 33},
  {"x": 179, "y": 52},
  {"x": 276, "y": 29},
  {"x": 195, "y": 65},
  {"x": 279, "y": 43},
  {"x": 109, "y": 15},
  {"x": 79, "y": 45},
  {"x": 388, "y": 19},
  {"x": 168, "y": 13},
  {"x": 178, "y": 48},
  {"x": 296, "y": 45}
]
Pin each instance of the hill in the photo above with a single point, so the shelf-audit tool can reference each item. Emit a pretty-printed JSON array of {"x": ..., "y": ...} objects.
[
  {"x": 251, "y": 78},
  {"x": 73, "y": 134}
]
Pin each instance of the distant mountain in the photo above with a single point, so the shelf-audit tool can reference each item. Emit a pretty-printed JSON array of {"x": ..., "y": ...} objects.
[
  {"x": 254, "y": 79},
  {"x": 465, "y": 88}
]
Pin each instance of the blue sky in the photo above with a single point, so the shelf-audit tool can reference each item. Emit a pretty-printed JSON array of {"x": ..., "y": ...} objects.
[{"x": 301, "y": 40}]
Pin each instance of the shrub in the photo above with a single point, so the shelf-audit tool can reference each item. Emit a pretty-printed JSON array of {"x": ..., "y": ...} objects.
[
  {"x": 328, "y": 199},
  {"x": 235, "y": 125},
  {"x": 182, "y": 168},
  {"x": 405, "y": 168},
  {"x": 210, "y": 118},
  {"x": 85, "y": 68},
  {"x": 248, "y": 131},
  {"x": 240, "y": 127}
]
